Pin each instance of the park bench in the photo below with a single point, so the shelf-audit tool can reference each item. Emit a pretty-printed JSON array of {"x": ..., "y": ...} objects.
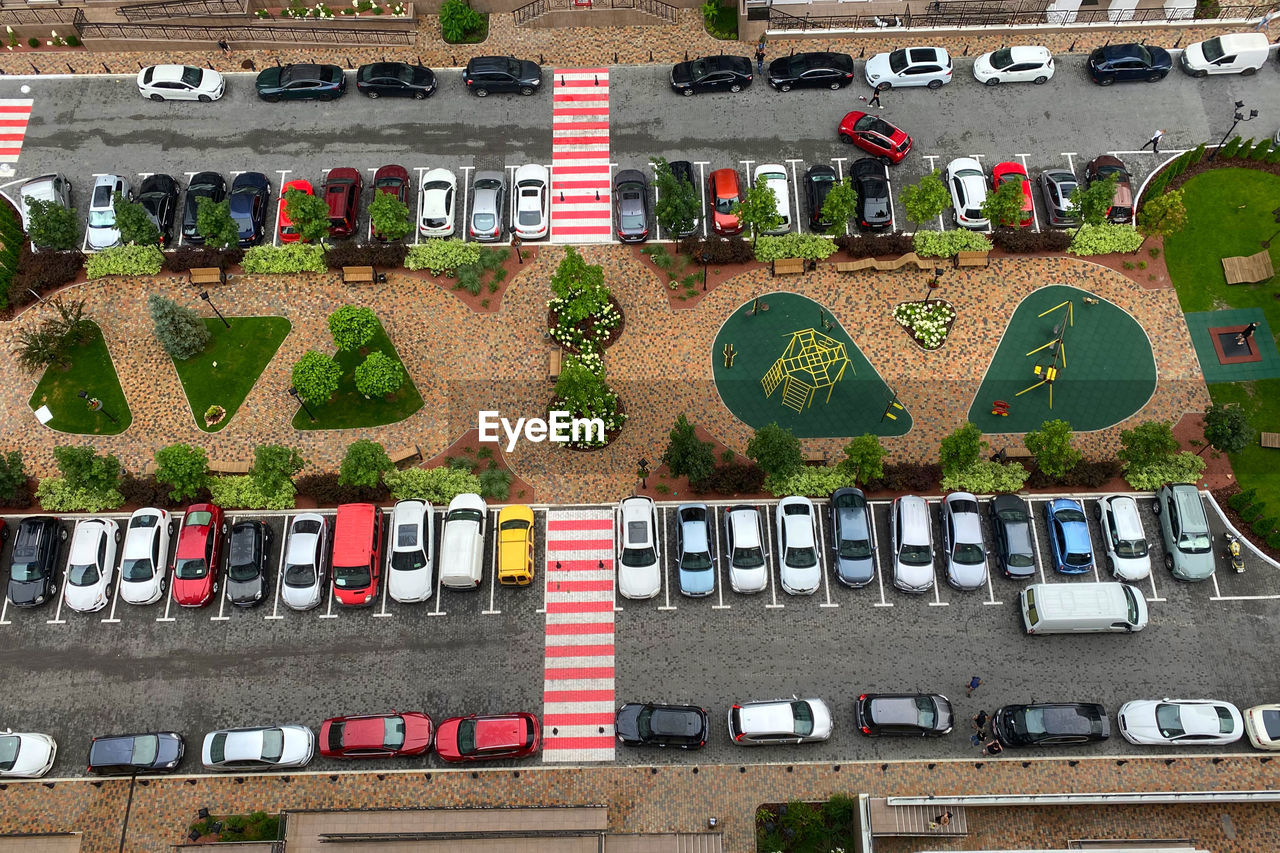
[
  {"x": 789, "y": 266},
  {"x": 206, "y": 275},
  {"x": 1269, "y": 439},
  {"x": 815, "y": 457},
  {"x": 404, "y": 454},
  {"x": 554, "y": 363},
  {"x": 973, "y": 259},
  {"x": 855, "y": 266},
  {"x": 219, "y": 466},
  {"x": 1248, "y": 269},
  {"x": 884, "y": 266},
  {"x": 358, "y": 275}
]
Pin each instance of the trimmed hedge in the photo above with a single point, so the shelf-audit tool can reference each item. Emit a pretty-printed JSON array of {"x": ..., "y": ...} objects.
[
  {"x": 719, "y": 250},
  {"x": 948, "y": 244},
  {"x": 125, "y": 260},
  {"x": 184, "y": 258},
  {"x": 291, "y": 258},
  {"x": 42, "y": 271},
  {"x": 812, "y": 247},
  {"x": 1106, "y": 239},
  {"x": 1020, "y": 240},
  {"x": 12, "y": 240},
  {"x": 442, "y": 256},
  {"x": 876, "y": 245},
  {"x": 1240, "y": 500},
  {"x": 390, "y": 255}
]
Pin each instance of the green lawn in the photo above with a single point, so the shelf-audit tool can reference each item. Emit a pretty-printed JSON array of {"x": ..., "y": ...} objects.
[
  {"x": 240, "y": 354},
  {"x": 91, "y": 371},
  {"x": 349, "y": 409}
]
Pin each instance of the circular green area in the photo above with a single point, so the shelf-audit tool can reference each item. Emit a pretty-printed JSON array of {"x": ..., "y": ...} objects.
[
  {"x": 1106, "y": 370},
  {"x": 858, "y": 399}
]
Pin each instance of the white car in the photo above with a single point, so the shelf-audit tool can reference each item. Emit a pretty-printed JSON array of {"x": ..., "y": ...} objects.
[
  {"x": 180, "y": 83},
  {"x": 305, "y": 575},
  {"x": 439, "y": 191},
  {"x": 775, "y": 178},
  {"x": 962, "y": 541},
  {"x": 744, "y": 543},
  {"x": 1123, "y": 537},
  {"x": 1018, "y": 64},
  {"x": 410, "y": 571},
  {"x": 1262, "y": 725},
  {"x": 533, "y": 201},
  {"x": 260, "y": 748},
  {"x": 798, "y": 562},
  {"x": 768, "y": 723},
  {"x": 1184, "y": 722},
  {"x": 103, "y": 233},
  {"x": 91, "y": 565},
  {"x": 910, "y": 66},
  {"x": 54, "y": 187},
  {"x": 26, "y": 755},
  {"x": 144, "y": 573},
  {"x": 639, "y": 562},
  {"x": 968, "y": 186}
]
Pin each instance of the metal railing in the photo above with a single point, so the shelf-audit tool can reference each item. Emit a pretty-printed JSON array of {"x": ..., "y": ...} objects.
[
  {"x": 137, "y": 12},
  {"x": 38, "y": 15},
  {"x": 296, "y": 33},
  {"x": 538, "y": 8}
]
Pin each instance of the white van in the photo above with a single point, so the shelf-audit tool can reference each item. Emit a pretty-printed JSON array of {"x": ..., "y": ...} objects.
[
  {"x": 1234, "y": 53},
  {"x": 462, "y": 542},
  {"x": 1079, "y": 608}
]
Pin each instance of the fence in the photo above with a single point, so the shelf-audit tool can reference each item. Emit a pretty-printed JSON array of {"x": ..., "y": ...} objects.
[
  {"x": 182, "y": 9},
  {"x": 538, "y": 8},
  {"x": 295, "y": 33},
  {"x": 38, "y": 15}
]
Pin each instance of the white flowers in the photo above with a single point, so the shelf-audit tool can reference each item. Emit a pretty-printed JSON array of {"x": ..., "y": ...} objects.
[{"x": 928, "y": 322}]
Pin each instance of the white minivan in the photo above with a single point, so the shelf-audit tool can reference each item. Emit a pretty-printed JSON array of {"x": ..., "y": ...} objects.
[
  {"x": 1233, "y": 53},
  {"x": 462, "y": 542},
  {"x": 1082, "y": 608}
]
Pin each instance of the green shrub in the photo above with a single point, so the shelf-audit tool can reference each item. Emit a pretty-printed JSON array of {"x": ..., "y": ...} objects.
[
  {"x": 437, "y": 485},
  {"x": 1240, "y": 500},
  {"x": 1274, "y": 156},
  {"x": 812, "y": 247},
  {"x": 1262, "y": 151},
  {"x": 125, "y": 260},
  {"x": 947, "y": 244},
  {"x": 442, "y": 256},
  {"x": 458, "y": 20},
  {"x": 495, "y": 484},
  {"x": 810, "y": 481},
  {"x": 1230, "y": 148},
  {"x": 1253, "y": 512},
  {"x": 1273, "y": 541},
  {"x": 1242, "y": 153},
  {"x": 1197, "y": 154},
  {"x": 240, "y": 492},
  {"x": 316, "y": 376},
  {"x": 352, "y": 327},
  {"x": 1184, "y": 467},
  {"x": 364, "y": 464},
  {"x": 55, "y": 495},
  {"x": 379, "y": 374},
  {"x": 985, "y": 477},
  {"x": 179, "y": 328},
  {"x": 184, "y": 468},
  {"x": 1263, "y": 527},
  {"x": 1105, "y": 239},
  {"x": 294, "y": 257}
]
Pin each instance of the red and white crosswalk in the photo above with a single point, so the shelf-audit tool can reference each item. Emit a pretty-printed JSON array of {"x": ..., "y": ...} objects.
[
  {"x": 15, "y": 113},
  {"x": 577, "y": 698},
  {"x": 580, "y": 211}
]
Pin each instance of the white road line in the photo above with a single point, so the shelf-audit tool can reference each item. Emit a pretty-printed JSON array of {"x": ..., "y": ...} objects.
[
  {"x": 1151, "y": 576},
  {"x": 617, "y": 557},
  {"x": 546, "y": 558},
  {"x": 822, "y": 553},
  {"x": 222, "y": 599},
  {"x": 275, "y": 605},
  {"x": 768, "y": 561},
  {"x": 937, "y": 587},
  {"x": 1217, "y": 593},
  {"x": 4, "y": 612},
  {"x": 795, "y": 193},
  {"x": 493, "y": 568},
  {"x": 1035, "y": 538},
  {"x": 1244, "y": 597},
  {"x": 664, "y": 580},
  {"x": 875, "y": 567},
  {"x": 702, "y": 192},
  {"x": 168, "y": 599},
  {"x": 383, "y": 613},
  {"x": 328, "y": 613},
  {"x": 275, "y": 230},
  {"x": 466, "y": 198},
  {"x": 1035, "y": 216},
  {"x": 991, "y": 595},
  {"x": 719, "y": 580},
  {"x": 57, "y": 614}
]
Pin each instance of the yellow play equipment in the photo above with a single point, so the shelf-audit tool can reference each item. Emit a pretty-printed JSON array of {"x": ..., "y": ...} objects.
[
  {"x": 1047, "y": 374},
  {"x": 811, "y": 362}
]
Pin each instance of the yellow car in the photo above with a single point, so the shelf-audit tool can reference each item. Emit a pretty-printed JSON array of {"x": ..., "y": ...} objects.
[{"x": 515, "y": 546}]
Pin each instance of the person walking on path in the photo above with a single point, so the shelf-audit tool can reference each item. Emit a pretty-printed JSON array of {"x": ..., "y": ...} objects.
[
  {"x": 980, "y": 722},
  {"x": 974, "y": 684},
  {"x": 226, "y": 47},
  {"x": 875, "y": 98},
  {"x": 1154, "y": 141},
  {"x": 1265, "y": 23},
  {"x": 760, "y": 58}
]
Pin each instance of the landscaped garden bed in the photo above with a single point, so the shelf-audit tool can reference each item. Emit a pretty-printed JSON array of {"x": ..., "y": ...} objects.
[
  {"x": 225, "y": 372},
  {"x": 88, "y": 369},
  {"x": 347, "y": 407},
  {"x": 800, "y": 827},
  {"x": 926, "y": 323}
]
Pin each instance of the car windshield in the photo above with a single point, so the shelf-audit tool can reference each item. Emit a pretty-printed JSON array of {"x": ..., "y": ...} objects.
[
  {"x": 928, "y": 714},
  {"x": 748, "y": 558},
  {"x": 407, "y": 561},
  {"x": 8, "y": 752},
  {"x": 82, "y": 575},
  {"x": 299, "y": 574},
  {"x": 803, "y": 715},
  {"x": 1002, "y": 58},
  {"x": 1131, "y": 548},
  {"x": 1012, "y": 516},
  {"x": 102, "y": 218},
  {"x": 351, "y": 577},
  {"x": 246, "y": 571},
  {"x": 25, "y": 570},
  {"x": 968, "y": 554},
  {"x": 855, "y": 549},
  {"x": 822, "y": 178},
  {"x": 1169, "y": 720},
  {"x": 137, "y": 570},
  {"x": 463, "y": 515},
  {"x": 898, "y": 61},
  {"x": 725, "y": 204},
  {"x": 1194, "y": 543},
  {"x": 1032, "y": 720},
  {"x": 1069, "y": 515},
  {"x": 467, "y": 737},
  {"x": 635, "y": 557},
  {"x": 1077, "y": 558},
  {"x": 802, "y": 558},
  {"x": 696, "y": 561},
  {"x": 145, "y": 748},
  {"x": 192, "y": 568},
  {"x": 272, "y": 744},
  {"x": 915, "y": 555},
  {"x": 530, "y": 215},
  {"x": 200, "y": 518}
]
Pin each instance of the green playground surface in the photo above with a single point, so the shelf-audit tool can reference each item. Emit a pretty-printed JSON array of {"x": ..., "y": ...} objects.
[
  {"x": 1106, "y": 374},
  {"x": 858, "y": 401}
]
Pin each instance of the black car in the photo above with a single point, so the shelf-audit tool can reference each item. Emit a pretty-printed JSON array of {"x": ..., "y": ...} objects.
[
  {"x": 711, "y": 74},
  {"x": 682, "y": 726},
  {"x": 208, "y": 185},
  {"x": 631, "y": 205},
  {"x": 250, "y": 200},
  {"x": 817, "y": 70},
  {"x": 903, "y": 714},
  {"x": 1051, "y": 724},
  {"x": 818, "y": 181},
  {"x": 682, "y": 170},
  {"x": 871, "y": 181},
  {"x": 1013, "y": 536},
  {"x": 1128, "y": 62},
  {"x": 33, "y": 565},
  {"x": 248, "y": 556},
  {"x": 159, "y": 198},
  {"x": 1056, "y": 187},
  {"x": 125, "y": 755},
  {"x": 486, "y": 74},
  {"x": 301, "y": 82},
  {"x": 396, "y": 79}
]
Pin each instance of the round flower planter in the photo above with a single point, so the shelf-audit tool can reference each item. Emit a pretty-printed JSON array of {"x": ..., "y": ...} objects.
[
  {"x": 585, "y": 328},
  {"x": 609, "y": 435}
]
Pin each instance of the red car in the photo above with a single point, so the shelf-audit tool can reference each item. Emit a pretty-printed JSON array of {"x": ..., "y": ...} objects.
[
  {"x": 726, "y": 192},
  {"x": 357, "y": 554},
  {"x": 481, "y": 738},
  {"x": 195, "y": 566},
  {"x": 392, "y": 180},
  {"x": 1006, "y": 172},
  {"x": 376, "y": 736},
  {"x": 874, "y": 134},
  {"x": 289, "y": 234},
  {"x": 342, "y": 194}
]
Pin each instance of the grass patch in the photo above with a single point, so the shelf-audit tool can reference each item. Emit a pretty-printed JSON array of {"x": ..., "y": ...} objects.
[
  {"x": 91, "y": 371},
  {"x": 241, "y": 353},
  {"x": 1255, "y": 467},
  {"x": 349, "y": 409}
]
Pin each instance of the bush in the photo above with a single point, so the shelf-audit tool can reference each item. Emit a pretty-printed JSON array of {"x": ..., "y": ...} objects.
[
  {"x": 184, "y": 468},
  {"x": 1105, "y": 239},
  {"x": 776, "y": 450},
  {"x": 1263, "y": 527},
  {"x": 1253, "y": 512},
  {"x": 458, "y": 20},
  {"x": 178, "y": 328},
  {"x": 1242, "y": 153},
  {"x": 912, "y": 477},
  {"x": 734, "y": 478},
  {"x": 442, "y": 256},
  {"x": 240, "y": 492},
  {"x": 1273, "y": 541},
  {"x": 1197, "y": 154},
  {"x": 1021, "y": 240},
  {"x": 1261, "y": 152},
  {"x": 686, "y": 454},
  {"x": 294, "y": 257},
  {"x": 719, "y": 250},
  {"x": 43, "y": 271},
  {"x": 13, "y": 478},
  {"x": 328, "y": 490},
  {"x": 189, "y": 257},
  {"x": 947, "y": 244},
  {"x": 1184, "y": 467},
  {"x": 495, "y": 484},
  {"x": 1092, "y": 474},
  {"x": 352, "y": 327},
  {"x": 1240, "y": 500},
  {"x": 810, "y": 481},
  {"x": 316, "y": 376},
  {"x": 876, "y": 245},
  {"x": 52, "y": 226},
  {"x": 55, "y": 495},
  {"x": 985, "y": 477},
  {"x": 437, "y": 485},
  {"x": 348, "y": 254},
  {"x": 125, "y": 260},
  {"x": 378, "y": 375},
  {"x": 364, "y": 464},
  {"x": 148, "y": 491},
  {"x": 960, "y": 449},
  {"x": 813, "y": 247}
]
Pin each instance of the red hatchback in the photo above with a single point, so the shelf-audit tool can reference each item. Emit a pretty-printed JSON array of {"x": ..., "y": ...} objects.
[
  {"x": 376, "y": 736},
  {"x": 481, "y": 738},
  {"x": 342, "y": 194},
  {"x": 1014, "y": 172},
  {"x": 195, "y": 566},
  {"x": 874, "y": 134},
  {"x": 726, "y": 193},
  {"x": 394, "y": 181},
  {"x": 288, "y": 233},
  {"x": 357, "y": 554}
]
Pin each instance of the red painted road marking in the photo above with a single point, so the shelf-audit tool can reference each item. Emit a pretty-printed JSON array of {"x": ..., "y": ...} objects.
[
  {"x": 580, "y": 524},
  {"x": 574, "y": 628},
  {"x": 579, "y": 651},
  {"x": 579, "y": 607},
  {"x": 580, "y": 93},
  {"x": 17, "y": 114}
]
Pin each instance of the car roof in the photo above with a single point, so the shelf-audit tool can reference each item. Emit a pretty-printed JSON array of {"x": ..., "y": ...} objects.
[
  {"x": 84, "y": 544},
  {"x": 1029, "y": 53},
  {"x": 409, "y": 512},
  {"x": 1126, "y": 521},
  {"x": 693, "y": 531},
  {"x": 745, "y": 521},
  {"x": 351, "y": 533}
]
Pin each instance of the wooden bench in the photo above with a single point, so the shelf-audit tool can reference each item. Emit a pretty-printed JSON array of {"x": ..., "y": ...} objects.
[
  {"x": 150, "y": 468},
  {"x": 404, "y": 454},
  {"x": 1269, "y": 439},
  {"x": 554, "y": 362},
  {"x": 885, "y": 266},
  {"x": 217, "y": 466},
  {"x": 358, "y": 275},
  {"x": 815, "y": 457},
  {"x": 789, "y": 266},
  {"x": 855, "y": 266},
  {"x": 1248, "y": 269},
  {"x": 972, "y": 259},
  {"x": 206, "y": 275}
]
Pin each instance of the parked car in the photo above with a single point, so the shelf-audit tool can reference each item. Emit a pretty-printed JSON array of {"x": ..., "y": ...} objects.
[
  {"x": 392, "y": 180},
  {"x": 1051, "y": 724},
  {"x": 1012, "y": 527},
  {"x": 1231, "y": 53},
  {"x": 158, "y": 196},
  {"x": 911, "y": 538},
  {"x": 639, "y": 560},
  {"x": 357, "y": 554},
  {"x": 871, "y": 181},
  {"x": 968, "y": 187},
  {"x": 488, "y": 204},
  {"x": 1128, "y": 62},
  {"x": 180, "y": 83},
  {"x": 515, "y": 545},
  {"x": 1181, "y": 722},
  {"x": 779, "y": 721},
  {"x": 376, "y": 735},
  {"x": 903, "y": 714},
  {"x": 744, "y": 543},
  {"x": 487, "y": 74},
  {"x": 1015, "y": 173},
  {"x": 725, "y": 193},
  {"x": 962, "y": 541},
  {"x": 342, "y": 188},
  {"x": 1122, "y": 537},
  {"x": 288, "y": 231},
  {"x": 248, "y": 559},
  {"x": 258, "y": 748},
  {"x": 775, "y": 178},
  {"x": 851, "y": 537},
  {"x": 33, "y": 563},
  {"x": 195, "y": 565},
  {"x": 208, "y": 185},
  {"x": 1262, "y": 725},
  {"x": 811, "y": 70},
  {"x": 1184, "y": 527},
  {"x": 52, "y": 187},
  {"x": 1070, "y": 548},
  {"x": 462, "y": 538},
  {"x": 1017, "y": 64},
  {"x": 26, "y": 755},
  {"x": 533, "y": 201},
  {"x": 395, "y": 80},
  {"x": 439, "y": 187},
  {"x": 682, "y": 170},
  {"x": 874, "y": 135},
  {"x": 911, "y": 66},
  {"x": 250, "y": 198},
  {"x": 631, "y": 205},
  {"x": 487, "y": 737},
  {"x": 144, "y": 568},
  {"x": 301, "y": 82},
  {"x": 711, "y": 74},
  {"x": 305, "y": 573},
  {"x": 696, "y": 565},
  {"x": 129, "y": 755},
  {"x": 799, "y": 567},
  {"x": 410, "y": 576},
  {"x": 650, "y": 724},
  {"x": 91, "y": 565},
  {"x": 818, "y": 181},
  {"x": 103, "y": 233},
  {"x": 1101, "y": 169},
  {"x": 1056, "y": 187}
]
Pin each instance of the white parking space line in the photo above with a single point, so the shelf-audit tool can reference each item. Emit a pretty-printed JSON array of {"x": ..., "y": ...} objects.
[
  {"x": 932, "y": 167},
  {"x": 4, "y": 612},
  {"x": 875, "y": 567},
  {"x": 839, "y": 161},
  {"x": 1035, "y": 215},
  {"x": 795, "y": 192},
  {"x": 991, "y": 595},
  {"x": 386, "y": 573},
  {"x": 617, "y": 556},
  {"x": 511, "y": 195},
  {"x": 275, "y": 604},
  {"x": 1035, "y": 538},
  {"x": 720, "y": 580},
  {"x": 1070, "y": 163},
  {"x": 1155, "y": 596},
  {"x": 546, "y": 560},
  {"x": 168, "y": 601},
  {"x": 115, "y": 601},
  {"x": 1217, "y": 593},
  {"x": 417, "y": 235},
  {"x": 57, "y": 614},
  {"x": 466, "y": 198},
  {"x": 937, "y": 591},
  {"x": 768, "y": 559},
  {"x": 702, "y": 191},
  {"x": 275, "y": 229},
  {"x": 822, "y": 554},
  {"x": 222, "y": 599},
  {"x": 328, "y": 613},
  {"x": 657, "y": 227},
  {"x": 369, "y": 232},
  {"x": 893, "y": 217},
  {"x": 1244, "y": 597},
  {"x": 178, "y": 225},
  {"x": 665, "y": 581},
  {"x": 746, "y": 164},
  {"x": 493, "y": 569}
]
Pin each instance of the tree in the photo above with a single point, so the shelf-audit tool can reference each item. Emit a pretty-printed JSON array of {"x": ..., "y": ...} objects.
[
  {"x": 1091, "y": 203},
  {"x": 309, "y": 215},
  {"x": 40, "y": 347},
  {"x": 960, "y": 449},
  {"x": 678, "y": 205},
  {"x": 1004, "y": 205},
  {"x": 364, "y": 464},
  {"x": 1051, "y": 446},
  {"x": 12, "y": 475},
  {"x": 378, "y": 375},
  {"x": 83, "y": 470},
  {"x": 1149, "y": 443},
  {"x": 841, "y": 203},
  {"x": 458, "y": 20},
  {"x": 758, "y": 209},
  {"x": 1226, "y": 429},
  {"x": 1162, "y": 215},
  {"x": 52, "y": 226},
  {"x": 71, "y": 324},
  {"x": 215, "y": 225},
  {"x": 776, "y": 450},
  {"x": 179, "y": 329},
  {"x": 686, "y": 454},
  {"x": 864, "y": 458},
  {"x": 389, "y": 215},
  {"x": 133, "y": 223},
  {"x": 926, "y": 198},
  {"x": 184, "y": 468},
  {"x": 352, "y": 327},
  {"x": 316, "y": 376},
  {"x": 580, "y": 286},
  {"x": 274, "y": 465}
]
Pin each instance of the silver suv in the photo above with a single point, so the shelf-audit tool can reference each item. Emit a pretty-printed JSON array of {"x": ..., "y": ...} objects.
[{"x": 1188, "y": 549}]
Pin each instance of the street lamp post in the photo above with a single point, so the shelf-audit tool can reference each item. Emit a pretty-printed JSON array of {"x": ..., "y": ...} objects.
[
  {"x": 705, "y": 260},
  {"x": 95, "y": 405},
  {"x": 204, "y": 294},
  {"x": 1266, "y": 244},
  {"x": 293, "y": 392},
  {"x": 1239, "y": 117},
  {"x": 933, "y": 282},
  {"x": 643, "y": 473}
]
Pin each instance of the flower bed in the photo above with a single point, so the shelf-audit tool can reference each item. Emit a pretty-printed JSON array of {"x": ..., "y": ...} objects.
[
  {"x": 593, "y": 334},
  {"x": 607, "y": 406},
  {"x": 928, "y": 323}
]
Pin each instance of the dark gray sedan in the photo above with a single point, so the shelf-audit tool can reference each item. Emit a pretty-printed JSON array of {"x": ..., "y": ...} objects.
[
  {"x": 1013, "y": 536},
  {"x": 1056, "y": 187},
  {"x": 681, "y": 726},
  {"x": 247, "y": 559},
  {"x": 631, "y": 205},
  {"x": 851, "y": 538}
]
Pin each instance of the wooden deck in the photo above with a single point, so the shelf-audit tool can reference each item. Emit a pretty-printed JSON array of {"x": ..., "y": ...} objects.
[{"x": 1248, "y": 269}]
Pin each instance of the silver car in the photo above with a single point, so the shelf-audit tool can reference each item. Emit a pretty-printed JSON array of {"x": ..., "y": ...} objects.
[
  {"x": 744, "y": 542},
  {"x": 962, "y": 540},
  {"x": 54, "y": 187},
  {"x": 1123, "y": 537},
  {"x": 305, "y": 576},
  {"x": 103, "y": 233},
  {"x": 780, "y": 721},
  {"x": 258, "y": 748},
  {"x": 851, "y": 537},
  {"x": 490, "y": 193}
]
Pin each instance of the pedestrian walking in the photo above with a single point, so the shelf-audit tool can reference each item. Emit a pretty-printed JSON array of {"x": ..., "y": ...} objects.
[
  {"x": 974, "y": 684},
  {"x": 226, "y": 47},
  {"x": 875, "y": 97},
  {"x": 976, "y": 738},
  {"x": 760, "y": 58},
  {"x": 980, "y": 721},
  {"x": 993, "y": 748},
  {"x": 1154, "y": 141},
  {"x": 1265, "y": 23}
]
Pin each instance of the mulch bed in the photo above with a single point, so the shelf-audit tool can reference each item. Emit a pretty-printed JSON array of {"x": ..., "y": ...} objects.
[
  {"x": 485, "y": 302},
  {"x": 521, "y": 490},
  {"x": 716, "y": 275}
]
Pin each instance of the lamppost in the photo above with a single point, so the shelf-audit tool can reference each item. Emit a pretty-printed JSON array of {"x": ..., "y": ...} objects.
[
  {"x": 933, "y": 282},
  {"x": 1239, "y": 117},
  {"x": 705, "y": 259},
  {"x": 643, "y": 472},
  {"x": 515, "y": 244},
  {"x": 1266, "y": 244},
  {"x": 204, "y": 294},
  {"x": 95, "y": 405},
  {"x": 293, "y": 392}
]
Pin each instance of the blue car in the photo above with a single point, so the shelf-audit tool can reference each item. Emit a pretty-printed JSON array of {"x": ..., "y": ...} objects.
[
  {"x": 1069, "y": 543},
  {"x": 697, "y": 566}
]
